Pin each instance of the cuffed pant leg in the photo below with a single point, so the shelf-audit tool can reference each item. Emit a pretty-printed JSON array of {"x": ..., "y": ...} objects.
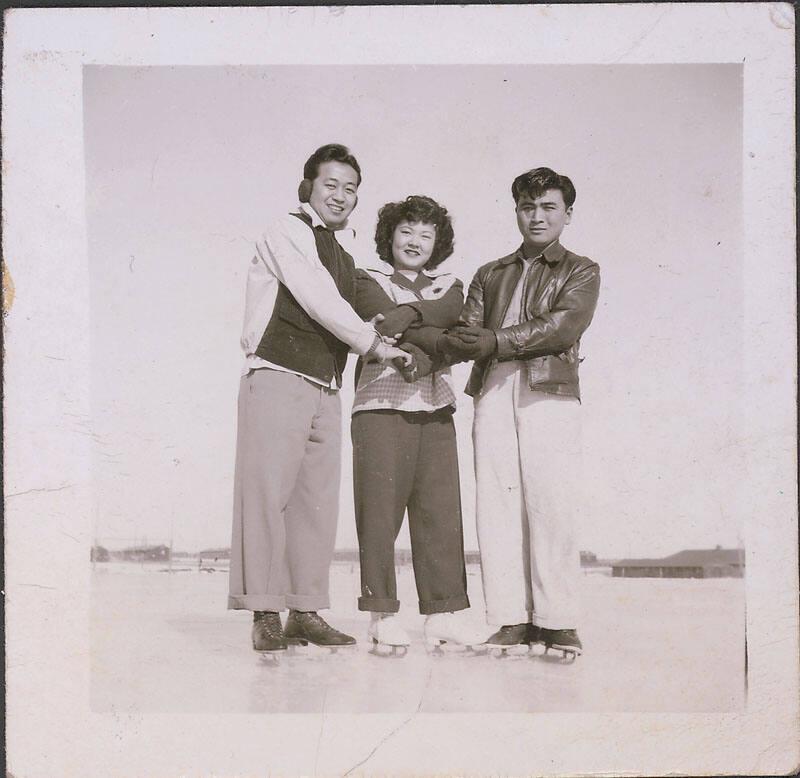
[
  {"x": 550, "y": 448},
  {"x": 500, "y": 511},
  {"x": 275, "y": 412},
  {"x": 312, "y": 511},
  {"x": 434, "y": 516},
  {"x": 384, "y": 457}
]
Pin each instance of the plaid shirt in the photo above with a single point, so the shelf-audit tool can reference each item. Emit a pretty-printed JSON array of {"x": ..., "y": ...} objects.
[{"x": 381, "y": 387}]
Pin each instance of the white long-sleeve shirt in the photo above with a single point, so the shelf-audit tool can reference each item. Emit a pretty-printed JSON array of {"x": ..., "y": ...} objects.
[{"x": 287, "y": 253}]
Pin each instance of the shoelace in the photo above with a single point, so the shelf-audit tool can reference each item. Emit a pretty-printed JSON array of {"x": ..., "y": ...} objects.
[
  {"x": 271, "y": 625},
  {"x": 317, "y": 621}
]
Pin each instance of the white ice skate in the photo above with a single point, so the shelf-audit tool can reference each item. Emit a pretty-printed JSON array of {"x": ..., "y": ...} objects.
[
  {"x": 385, "y": 632},
  {"x": 441, "y": 628}
]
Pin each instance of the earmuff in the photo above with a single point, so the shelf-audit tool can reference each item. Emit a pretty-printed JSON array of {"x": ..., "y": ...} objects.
[{"x": 304, "y": 190}]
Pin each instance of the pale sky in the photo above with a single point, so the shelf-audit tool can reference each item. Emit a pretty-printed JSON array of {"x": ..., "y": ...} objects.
[{"x": 185, "y": 166}]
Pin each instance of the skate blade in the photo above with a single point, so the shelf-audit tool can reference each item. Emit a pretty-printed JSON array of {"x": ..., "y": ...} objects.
[
  {"x": 270, "y": 657},
  {"x": 303, "y": 647},
  {"x": 440, "y": 647},
  {"x": 560, "y": 655},
  {"x": 387, "y": 651},
  {"x": 502, "y": 652},
  {"x": 434, "y": 646},
  {"x": 297, "y": 647}
]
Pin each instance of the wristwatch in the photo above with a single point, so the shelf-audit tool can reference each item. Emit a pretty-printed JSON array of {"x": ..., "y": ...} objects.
[{"x": 374, "y": 347}]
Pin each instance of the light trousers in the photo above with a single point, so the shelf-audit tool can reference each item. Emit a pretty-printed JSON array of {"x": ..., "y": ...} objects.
[
  {"x": 528, "y": 484},
  {"x": 286, "y": 493}
]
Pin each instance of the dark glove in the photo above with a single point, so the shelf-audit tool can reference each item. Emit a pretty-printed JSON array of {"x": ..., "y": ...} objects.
[
  {"x": 420, "y": 366},
  {"x": 470, "y": 342},
  {"x": 454, "y": 348},
  {"x": 397, "y": 321}
]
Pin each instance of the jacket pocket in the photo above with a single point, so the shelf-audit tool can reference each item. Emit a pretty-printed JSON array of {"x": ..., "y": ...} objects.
[
  {"x": 567, "y": 356},
  {"x": 553, "y": 370}
]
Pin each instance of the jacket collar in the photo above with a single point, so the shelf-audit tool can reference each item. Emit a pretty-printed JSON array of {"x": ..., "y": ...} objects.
[
  {"x": 316, "y": 221},
  {"x": 384, "y": 268},
  {"x": 552, "y": 255}
]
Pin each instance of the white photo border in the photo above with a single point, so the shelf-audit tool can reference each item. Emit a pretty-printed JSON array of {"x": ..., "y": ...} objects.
[{"x": 48, "y": 469}]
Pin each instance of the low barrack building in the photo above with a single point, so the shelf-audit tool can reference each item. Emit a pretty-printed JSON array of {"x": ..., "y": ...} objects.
[{"x": 693, "y": 563}]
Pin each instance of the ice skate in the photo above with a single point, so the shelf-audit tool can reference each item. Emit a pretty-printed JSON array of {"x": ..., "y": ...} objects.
[
  {"x": 267, "y": 635},
  {"x": 448, "y": 629},
  {"x": 387, "y": 636},
  {"x": 511, "y": 639},
  {"x": 564, "y": 640},
  {"x": 304, "y": 627}
]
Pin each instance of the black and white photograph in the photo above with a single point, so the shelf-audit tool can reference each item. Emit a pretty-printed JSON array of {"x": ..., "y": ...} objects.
[
  {"x": 381, "y": 405},
  {"x": 499, "y": 252}
]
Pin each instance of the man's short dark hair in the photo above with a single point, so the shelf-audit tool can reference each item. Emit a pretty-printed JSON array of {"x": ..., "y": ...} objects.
[
  {"x": 536, "y": 182},
  {"x": 415, "y": 209},
  {"x": 330, "y": 152}
]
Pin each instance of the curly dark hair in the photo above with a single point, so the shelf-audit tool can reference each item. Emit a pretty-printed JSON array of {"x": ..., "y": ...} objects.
[
  {"x": 536, "y": 182},
  {"x": 415, "y": 209}
]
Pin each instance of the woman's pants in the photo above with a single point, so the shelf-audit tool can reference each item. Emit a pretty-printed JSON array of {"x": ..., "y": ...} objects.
[{"x": 408, "y": 460}]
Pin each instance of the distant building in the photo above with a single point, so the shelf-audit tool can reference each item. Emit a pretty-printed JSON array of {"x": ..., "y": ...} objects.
[
  {"x": 694, "y": 563},
  {"x": 215, "y": 553},
  {"x": 99, "y": 554},
  {"x": 143, "y": 553}
]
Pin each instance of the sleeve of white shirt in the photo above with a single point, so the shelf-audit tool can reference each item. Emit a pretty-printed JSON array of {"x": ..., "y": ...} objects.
[{"x": 289, "y": 250}]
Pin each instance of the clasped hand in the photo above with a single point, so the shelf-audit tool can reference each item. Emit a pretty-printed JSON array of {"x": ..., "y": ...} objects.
[
  {"x": 468, "y": 342},
  {"x": 387, "y": 349},
  {"x": 421, "y": 364}
]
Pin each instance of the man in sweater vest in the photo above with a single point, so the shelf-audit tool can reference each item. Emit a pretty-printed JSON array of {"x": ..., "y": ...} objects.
[{"x": 299, "y": 327}]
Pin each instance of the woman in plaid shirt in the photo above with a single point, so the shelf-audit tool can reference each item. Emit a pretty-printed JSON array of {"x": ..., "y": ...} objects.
[{"x": 404, "y": 441}]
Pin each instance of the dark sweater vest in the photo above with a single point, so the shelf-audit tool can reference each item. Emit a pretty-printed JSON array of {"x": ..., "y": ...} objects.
[{"x": 292, "y": 338}]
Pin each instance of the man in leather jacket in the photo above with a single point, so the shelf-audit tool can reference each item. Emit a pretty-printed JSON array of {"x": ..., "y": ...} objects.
[{"x": 522, "y": 323}]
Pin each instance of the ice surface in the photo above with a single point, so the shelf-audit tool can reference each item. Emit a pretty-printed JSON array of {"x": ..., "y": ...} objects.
[{"x": 164, "y": 642}]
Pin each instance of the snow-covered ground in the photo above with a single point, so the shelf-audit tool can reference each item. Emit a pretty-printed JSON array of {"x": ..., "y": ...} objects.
[{"x": 165, "y": 643}]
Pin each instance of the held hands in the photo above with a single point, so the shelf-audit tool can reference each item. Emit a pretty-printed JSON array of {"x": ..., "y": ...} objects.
[
  {"x": 468, "y": 342},
  {"x": 385, "y": 352},
  {"x": 384, "y": 348},
  {"x": 453, "y": 347},
  {"x": 421, "y": 364},
  {"x": 377, "y": 319}
]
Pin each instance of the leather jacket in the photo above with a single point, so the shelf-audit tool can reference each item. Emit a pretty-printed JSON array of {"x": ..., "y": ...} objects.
[{"x": 558, "y": 302}]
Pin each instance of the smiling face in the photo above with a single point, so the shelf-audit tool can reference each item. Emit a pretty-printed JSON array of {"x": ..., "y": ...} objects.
[
  {"x": 333, "y": 193},
  {"x": 412, "y": 245},
  {"x": 541, "y": 220}
]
